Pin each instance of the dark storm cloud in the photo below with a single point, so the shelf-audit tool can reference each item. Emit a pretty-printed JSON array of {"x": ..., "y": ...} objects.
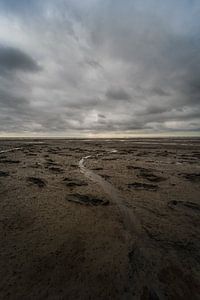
[
  {"x": 157, "y": 109},
  {"x": 117, "y": 94},
  {"x": 111, "y": 65},
  {"x": 15, "y": 59},
  {"x": 9, "y": 101}
]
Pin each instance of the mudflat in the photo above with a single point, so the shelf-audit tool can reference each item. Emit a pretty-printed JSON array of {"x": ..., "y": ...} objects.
[{"x": 100, "y": 219}]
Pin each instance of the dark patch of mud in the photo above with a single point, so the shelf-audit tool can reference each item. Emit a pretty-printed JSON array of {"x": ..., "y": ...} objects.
[
  {"x": 106, "y": 177},
  {"x": 4, "y": 174},
  {"x": 86, "y": 200},
  {"x": 36, "y": 165},
  {"x": 130, "y": 167},
  {"x": 187, "y": 204},
  {"x": 151, "y": 177},
  {"x": 52, "y": 151},
  {"x": 32, "y": 154},
  {"x": 37, "y": 181},
  {"x": 163, "y": 154},
  {"x": 9, "y": 161},
  {"x": 111, "y": 158},
  {"x": 147, "y": 174},
  {"x": 193, "y": 177},
  {"x": 196, "y": 154},
  {"x": 73, "y": 166},
  {"x": 144, "y": 153},
  {"x": 50, "y": 161},
  {"x": 56, "y": 169},
  {"x": 74, "y": 182},
  {"x": 142, "y": 186}
]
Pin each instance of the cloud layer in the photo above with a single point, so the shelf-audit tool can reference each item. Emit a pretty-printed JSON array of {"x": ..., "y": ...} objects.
[
  {"x": 77, "y": 68},
  {"x": 14, "y": 59}
]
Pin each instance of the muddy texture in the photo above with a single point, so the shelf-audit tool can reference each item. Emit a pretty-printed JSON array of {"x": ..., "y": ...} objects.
[
  {"x": 87, "y": 200},
  {"x": 194, "y": 177},
  {"x": 141, "y": 186},
  {"x": 74, "y": 182},
  {"x": 123, "y": 224},
  {"x": 4, "y": 174},
  {"x": 37, "y": 181}
]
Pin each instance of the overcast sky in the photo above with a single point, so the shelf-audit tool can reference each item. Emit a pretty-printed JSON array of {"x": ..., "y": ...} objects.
[{"x": 99, "y": 67}]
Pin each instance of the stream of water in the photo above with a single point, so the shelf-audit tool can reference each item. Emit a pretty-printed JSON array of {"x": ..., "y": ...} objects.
[{"x": 130, "y": 221}]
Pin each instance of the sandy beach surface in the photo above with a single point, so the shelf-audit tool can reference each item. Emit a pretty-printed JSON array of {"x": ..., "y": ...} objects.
[{"x": 100, "y": 219}]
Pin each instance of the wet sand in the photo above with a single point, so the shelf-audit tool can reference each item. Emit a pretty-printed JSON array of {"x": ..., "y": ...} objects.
[{"x": 100, "y": 219}]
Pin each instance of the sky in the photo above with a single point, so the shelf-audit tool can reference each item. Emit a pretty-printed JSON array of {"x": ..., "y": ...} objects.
[{"x": 99, "y": 68}]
